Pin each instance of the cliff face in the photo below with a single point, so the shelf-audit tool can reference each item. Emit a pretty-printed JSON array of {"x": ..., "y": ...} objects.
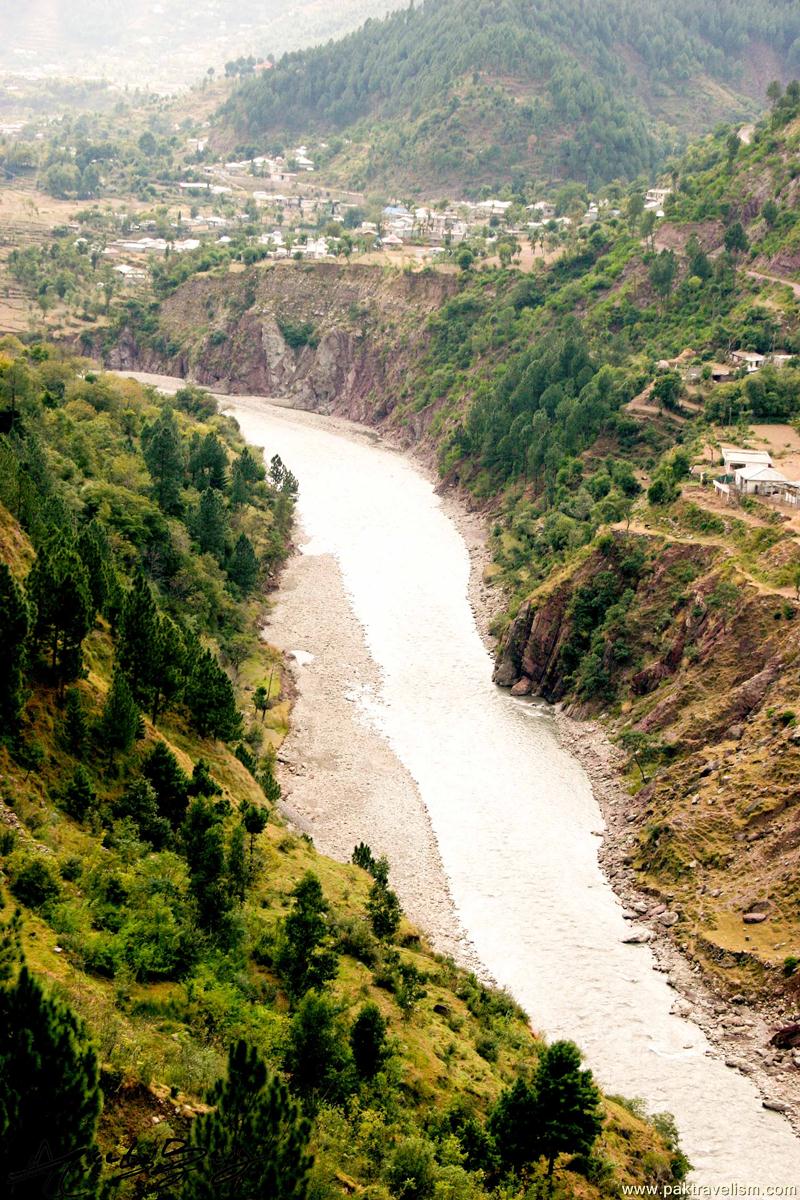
[
  {"x": 701, "y": 673},
  {"x": 329, "y": 338}
]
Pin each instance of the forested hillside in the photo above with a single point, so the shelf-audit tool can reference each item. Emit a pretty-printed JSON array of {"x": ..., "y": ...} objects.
[
  {"x": 162, "y": 932},
  {"x": 459, "y": 93}
]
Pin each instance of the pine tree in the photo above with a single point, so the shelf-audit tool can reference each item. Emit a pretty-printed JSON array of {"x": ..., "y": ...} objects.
[
  {"x": 58, "y": 587},
  {"x": 304, "y": 959},
  {"x": 139, "y": 802},
  {"x": 169, "y": 781},
  {"x": 383, "y": 908},
  {"x": 512, "y": 1124},
  {"x": 255, "y": 822},
  {"x": 204, "y": 845},
  {"x": 568, "y": 1115},
  {"x": 15, "y": 623},
  {"x": 368, "y": 1041},
  {"x": 136, "y": 637},
  {"x": 163, "y": 453},
  {"x": 79, "y": 795},
  {"x": 254, "y": 1141},
  {"x": 120, "y": 724},
  {"x": 96, "y": 555},
  {"x": 211, "y": 525},
  {"x": 208, "y": 464},
  {"x": 318, "y": 1057},
  {"x": 237, "y": 864},
  {"x": 203, "y": 782},
  {"x": 76, "y": 727},
  {"x": 49, "y": 1095},
  {"x": 246, "y": 471},
  {"x": 210, "y": 699},
  {"x": 243, "y": 565},
  {"x": 150, "y": 649},
  {"x": 169, "y": 660},
  {"x": 558, "y": 1113}
]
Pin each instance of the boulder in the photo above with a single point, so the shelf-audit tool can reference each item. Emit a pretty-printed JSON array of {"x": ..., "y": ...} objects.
[
  {"x": 522, "y": 687},
  {"x": 787, "y": 1037},
  {"x": 754, "y": 918}
]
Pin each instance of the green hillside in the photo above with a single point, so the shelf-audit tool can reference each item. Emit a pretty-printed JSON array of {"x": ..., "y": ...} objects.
[
  {"x": 164, "y": 913},
  {"x": 460, "y": 93}
]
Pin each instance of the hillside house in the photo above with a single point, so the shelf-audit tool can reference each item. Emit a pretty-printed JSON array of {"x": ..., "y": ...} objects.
[
  {"x": 735, "y": 459},
  {"x": 748, "y": 359},
  {"x": 655, "y": 197}
]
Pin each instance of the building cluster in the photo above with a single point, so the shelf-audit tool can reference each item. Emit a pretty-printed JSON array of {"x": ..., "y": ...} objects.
[{"x": 752, "y": 473}]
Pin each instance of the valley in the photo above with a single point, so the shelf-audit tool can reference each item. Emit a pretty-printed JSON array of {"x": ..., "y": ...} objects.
[{"x": 399, "y": 600}]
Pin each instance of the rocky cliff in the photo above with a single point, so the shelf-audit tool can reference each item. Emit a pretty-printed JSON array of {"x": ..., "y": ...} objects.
[
  {"x": 696, "y": 669},
  {"x": 330, "y": 338}
]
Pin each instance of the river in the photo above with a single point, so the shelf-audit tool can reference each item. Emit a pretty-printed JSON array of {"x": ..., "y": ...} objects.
[{"x": 513, "y": 813}]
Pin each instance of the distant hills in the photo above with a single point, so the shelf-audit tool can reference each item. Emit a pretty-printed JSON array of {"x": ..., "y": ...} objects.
[
  {"x": 164, "y": 43},
  {"x": 460, "y": 93}
]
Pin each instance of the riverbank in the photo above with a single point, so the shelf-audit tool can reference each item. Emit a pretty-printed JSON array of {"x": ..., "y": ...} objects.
[
  {"x": 739, "y": 1031},
  {"x": 512, "y": 812},
  {"x": 342, "y": 782}
]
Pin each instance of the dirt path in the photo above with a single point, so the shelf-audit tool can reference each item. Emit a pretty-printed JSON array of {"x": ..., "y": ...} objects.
[
  {"x": 795, "y": 287},
  {"x": 702, "y": 539}
]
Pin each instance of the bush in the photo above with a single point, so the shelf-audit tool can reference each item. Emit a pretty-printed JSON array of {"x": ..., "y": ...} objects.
[
  {"x": 34, "y": 882},
  {"x": 411, "y": 1173}
]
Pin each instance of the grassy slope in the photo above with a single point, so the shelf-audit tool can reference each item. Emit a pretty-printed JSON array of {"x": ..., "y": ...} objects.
[{"x": 162, "y": 1041}]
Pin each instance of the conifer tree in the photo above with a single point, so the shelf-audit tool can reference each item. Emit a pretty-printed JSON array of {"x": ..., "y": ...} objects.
[
  {"x": 318, "y": 1056},
  {"x": 138, "y": 631},
  {"x": 150, "y": 649},
  {"x": 208, "y": 464},
  {"x": 15, "y": 622},
  {"x": 169, "y": 781},
  {"x": 255, "y": 822},
  {"x": 243, "y": 565},
  {"x": 368, "y": 1041},
  {"x": 558, "y": 1113},
  {"x": 163, "y": 453},
  {"x": 304, "y": 959},
  {"x": 76, "y": 727},
  {"x": 79, "y": 795},
  {"x": 58, "y": 587},
  {"x": 204, "y": 844},
  {"x": 568, "y": 1115},
  {"x": 211, "y": 524},
  {"x": 140, "y": 803},
  {"x": 210, "y": 699},
  {"x": 49, "y": 1096},
  {"x": 120, "y": 724},
  {"x": 253, "y": 1142},
  {"x": 237, "y": 864},
  {"x": 384, "y": 911},
  {"x": 96, "y": 555}
]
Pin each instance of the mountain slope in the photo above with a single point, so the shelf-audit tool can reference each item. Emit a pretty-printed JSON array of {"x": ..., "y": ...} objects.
[
  {"x": 161, "y": 896},
  {"x": 463, "y": 92}
]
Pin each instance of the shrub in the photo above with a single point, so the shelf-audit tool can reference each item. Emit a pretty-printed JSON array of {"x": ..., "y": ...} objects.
[
  {"x": 411, "y": 1173},
  {"x": 34, "y": 882}
]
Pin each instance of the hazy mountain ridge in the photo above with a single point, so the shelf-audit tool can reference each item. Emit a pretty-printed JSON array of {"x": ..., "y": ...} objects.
[
  {"x": 120, "y": 41},
  {"x": 465, "y": 91}
]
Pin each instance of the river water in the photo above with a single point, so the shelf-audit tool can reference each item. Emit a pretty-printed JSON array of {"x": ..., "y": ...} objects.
[{"x": 513, "y": 813}]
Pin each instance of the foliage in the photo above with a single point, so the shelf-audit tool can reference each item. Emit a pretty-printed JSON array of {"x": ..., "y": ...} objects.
[
  {"x": 254, "y": 1141},
  {"x": 304, "y": 958},
  {"x": 49, "y": 1092}
]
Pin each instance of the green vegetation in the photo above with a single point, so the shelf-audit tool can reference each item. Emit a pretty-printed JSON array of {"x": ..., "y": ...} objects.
[
  {"x": 461, "y": 93},
  {"x": 169, "y": 923}
]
